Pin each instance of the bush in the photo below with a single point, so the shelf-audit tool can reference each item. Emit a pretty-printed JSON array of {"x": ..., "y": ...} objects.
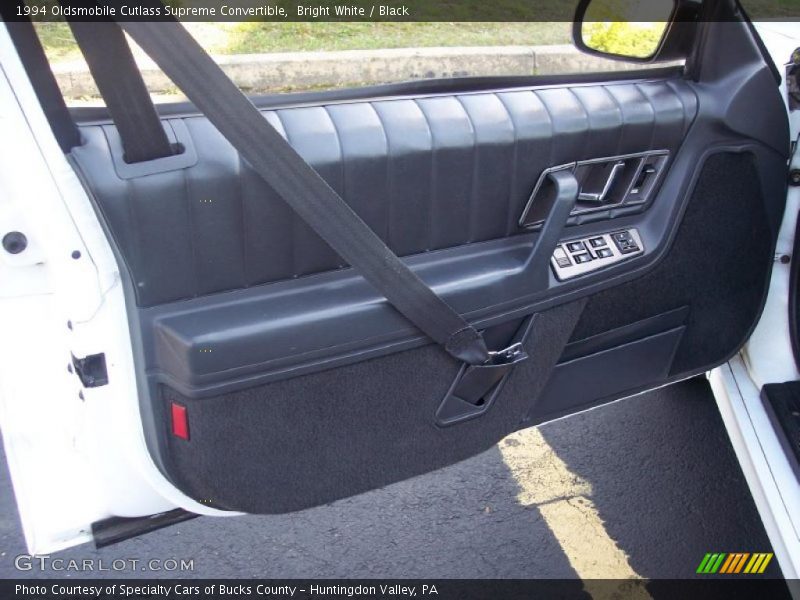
[{"x": 639, "y": 40}]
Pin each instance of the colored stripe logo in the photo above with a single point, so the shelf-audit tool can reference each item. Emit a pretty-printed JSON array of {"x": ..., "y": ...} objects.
[{"x": 734, "y": 563}]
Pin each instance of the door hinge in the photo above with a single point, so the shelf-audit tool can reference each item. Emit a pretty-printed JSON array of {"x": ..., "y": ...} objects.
[{"x": 91, "y": 370}]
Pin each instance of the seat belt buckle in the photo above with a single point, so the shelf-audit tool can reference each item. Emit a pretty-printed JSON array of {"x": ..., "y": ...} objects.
[
  {"x": 476, "y": 386},
  {"x": 509, "y": 356}
]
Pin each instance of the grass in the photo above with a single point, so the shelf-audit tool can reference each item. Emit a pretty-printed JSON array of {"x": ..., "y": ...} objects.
[
  {"x": 259, "y": 37},
  {"x": 57, "y": 41},
  {"x": 281, "y": 37},
  {"x": 255, "y": 38}
]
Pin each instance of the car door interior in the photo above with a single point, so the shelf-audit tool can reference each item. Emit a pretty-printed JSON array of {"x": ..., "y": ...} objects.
[{"x": 296, "y": 383}]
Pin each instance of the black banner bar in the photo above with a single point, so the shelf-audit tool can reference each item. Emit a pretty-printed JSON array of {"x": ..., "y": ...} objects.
[
  {"x": 370, "y": 589},
  {"x": 342, "y": 10}
]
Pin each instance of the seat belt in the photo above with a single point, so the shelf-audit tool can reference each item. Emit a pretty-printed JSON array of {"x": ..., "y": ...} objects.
[
  {"x": 34, "y": 61},
  {"x": 120, "y": 83},
  {"x": 196, "y": 74}
]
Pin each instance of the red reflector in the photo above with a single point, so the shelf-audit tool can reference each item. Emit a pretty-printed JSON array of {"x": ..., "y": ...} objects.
[{"x": 180, "y": 425}]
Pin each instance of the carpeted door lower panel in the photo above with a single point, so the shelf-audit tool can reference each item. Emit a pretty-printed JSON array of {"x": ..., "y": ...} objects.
[{"x": 313, "y": 439}]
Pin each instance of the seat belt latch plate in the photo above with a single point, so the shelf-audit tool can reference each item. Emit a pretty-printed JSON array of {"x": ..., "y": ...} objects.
[{"x": 476, "y": 386}]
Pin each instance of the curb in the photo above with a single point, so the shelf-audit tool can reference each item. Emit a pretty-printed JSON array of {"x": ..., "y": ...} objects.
[{"x": 307, "y": 70}]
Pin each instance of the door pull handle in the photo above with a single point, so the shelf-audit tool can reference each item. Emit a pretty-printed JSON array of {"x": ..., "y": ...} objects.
[{"x": 600, "y": 197}]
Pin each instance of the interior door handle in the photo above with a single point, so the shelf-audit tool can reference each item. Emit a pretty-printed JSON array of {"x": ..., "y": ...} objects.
[
  {"x": 566, "y": 191},
  {"x": 599, "y": 197}
]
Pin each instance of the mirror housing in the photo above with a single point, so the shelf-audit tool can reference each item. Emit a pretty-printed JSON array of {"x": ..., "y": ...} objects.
[{"x": 676, "y": 39}]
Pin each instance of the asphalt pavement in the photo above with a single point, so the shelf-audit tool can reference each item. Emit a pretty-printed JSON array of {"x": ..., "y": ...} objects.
[{"x": 643, "y": 487}]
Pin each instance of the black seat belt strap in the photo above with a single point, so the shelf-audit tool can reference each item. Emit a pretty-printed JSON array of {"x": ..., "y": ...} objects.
[
  {"x": 120, "y": 83},
  {"x": 34, "y": 60},
  {"x": 196, "y": 74},
  {"x": 300, "y": 186}
]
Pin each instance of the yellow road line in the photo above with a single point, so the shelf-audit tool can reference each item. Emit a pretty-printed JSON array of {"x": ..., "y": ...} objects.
[{"x": 564, "y": 501}]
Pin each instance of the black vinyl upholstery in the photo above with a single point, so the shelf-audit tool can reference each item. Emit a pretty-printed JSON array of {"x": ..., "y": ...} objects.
[{"x": 424, "y": 173}]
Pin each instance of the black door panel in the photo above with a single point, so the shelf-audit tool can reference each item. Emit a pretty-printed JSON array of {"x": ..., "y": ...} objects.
[
  {"x": 313, "y": 439},
  {"x": 425, "y": 173},
  {"x": 301, "y": 384},
  {"x": 716, "y": 267}
]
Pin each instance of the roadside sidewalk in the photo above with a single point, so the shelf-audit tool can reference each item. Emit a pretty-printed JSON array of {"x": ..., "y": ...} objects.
[{"x": 260, "y": 73}]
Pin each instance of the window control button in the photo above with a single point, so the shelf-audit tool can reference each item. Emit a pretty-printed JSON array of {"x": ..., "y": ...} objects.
[
  {"x": 576, "y": 247},
  {"x": 582, "y": 258},
  {"x": 597, "y": 242},
  {"x": 605, "y": 253}
]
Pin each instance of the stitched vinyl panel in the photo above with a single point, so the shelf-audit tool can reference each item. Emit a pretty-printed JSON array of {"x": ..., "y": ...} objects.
[
  {"x": 408, "y": 173},
  {"x": 452, "y": 161},
  {"x": 424, "y": 173},
  {"x": 313, "y": 135}
]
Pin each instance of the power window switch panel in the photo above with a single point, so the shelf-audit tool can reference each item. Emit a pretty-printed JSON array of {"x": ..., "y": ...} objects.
[{"x": 598, "y": 251}]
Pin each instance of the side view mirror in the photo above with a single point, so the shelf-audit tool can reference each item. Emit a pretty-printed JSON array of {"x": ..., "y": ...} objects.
[{"x": 636, "y": 30}]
